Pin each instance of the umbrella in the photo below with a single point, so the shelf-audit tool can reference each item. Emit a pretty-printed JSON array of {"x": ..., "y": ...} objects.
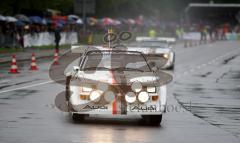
[
  {"x": 62, "y": 22},
  {"x": 2, "y": 18},
  {"x": 72, "y": 22},
  {"x": 131, "y": 21},
  {"x": 117, "y": 22},
  {"x": 22, "y": 17},
  {"x": 35, "y": 19},
  {"x": 92, "y": 21},
  {"x": 107, "y": 21},
  {"x": 59, "y": 25},
  {"x": 49, "y": 21},
  {"x": 11, "y": 19},
  {"x": 79, "y": 21},
  {"x": 139, "y": 20},
  {"x": 73, "y": 17},
  {"x": 44, "y": 21},
  {"x": 20, "y": 23}
]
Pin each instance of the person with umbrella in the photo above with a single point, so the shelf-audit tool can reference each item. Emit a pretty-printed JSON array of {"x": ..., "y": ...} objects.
[{"x": 57, "y": 34}]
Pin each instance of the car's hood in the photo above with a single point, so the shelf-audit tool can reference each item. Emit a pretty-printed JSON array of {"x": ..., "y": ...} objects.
[
  {"x": 116, "y": 77},
  {"x": 150, "y": 50}
]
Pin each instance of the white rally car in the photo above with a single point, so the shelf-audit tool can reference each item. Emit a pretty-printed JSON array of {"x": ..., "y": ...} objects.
[
  {"x": 115, "y": 82},
  {"x": 156, "y": 50}
]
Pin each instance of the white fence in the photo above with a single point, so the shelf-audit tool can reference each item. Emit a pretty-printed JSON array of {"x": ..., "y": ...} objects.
[
  {"x": 46, "y": 38},
  {"x": 194, "y": 36}
]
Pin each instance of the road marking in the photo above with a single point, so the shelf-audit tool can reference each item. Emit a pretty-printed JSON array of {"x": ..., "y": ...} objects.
[{"x": 24, "y": 87}]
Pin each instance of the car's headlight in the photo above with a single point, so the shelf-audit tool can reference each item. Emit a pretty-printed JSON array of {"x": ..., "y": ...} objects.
[
  {"x": 151, "y": 89},
  {"x": 130, "y": 97},
  {"x": 166, "y": 55},
  {"x": 87, "y": 88},
  {"x": 95, "y": 96},
  {"x": 109, "y": 96},
  {"x": 136, "y": 86},
  {"x": 143, "y": 97}
]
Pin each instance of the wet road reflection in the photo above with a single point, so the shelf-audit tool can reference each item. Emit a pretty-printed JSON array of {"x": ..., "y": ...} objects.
[
  {"x": 214, "y": 94},
  {"x": 30, "y": 115}
]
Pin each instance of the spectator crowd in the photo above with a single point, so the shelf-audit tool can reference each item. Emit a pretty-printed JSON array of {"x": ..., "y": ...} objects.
[{"x": 13, "y": 29}]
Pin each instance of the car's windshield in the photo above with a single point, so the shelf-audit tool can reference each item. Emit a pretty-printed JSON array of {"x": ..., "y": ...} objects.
[
  {"x": 155, "y": 44},
  {"x": 112, "y": 60}
]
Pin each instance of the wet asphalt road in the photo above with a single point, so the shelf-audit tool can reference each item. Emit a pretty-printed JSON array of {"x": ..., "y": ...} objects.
[{"x": 206, "y": 82}]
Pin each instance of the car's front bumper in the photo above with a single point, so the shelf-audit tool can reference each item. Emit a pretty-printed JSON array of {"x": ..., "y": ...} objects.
[{"x": 130, "y": 110}]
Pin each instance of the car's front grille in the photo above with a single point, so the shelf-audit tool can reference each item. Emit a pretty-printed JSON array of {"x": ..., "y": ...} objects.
[{"x": 123, "y": 88}]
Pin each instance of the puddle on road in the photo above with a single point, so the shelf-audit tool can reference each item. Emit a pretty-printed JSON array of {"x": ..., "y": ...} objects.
[
  {"x": 191, "y": 84},
  {"x": 226, "y": 61},
  {"x": 24, "y": 117},
  {"x": 206, "y": 74},
  {"x": 3, "y": 103},
  {"x": 19, "y": 94},
  {"x": 13, "y": 121},
  {"x": 30, "y": 113},
  {"x": 214, "y": 99}
]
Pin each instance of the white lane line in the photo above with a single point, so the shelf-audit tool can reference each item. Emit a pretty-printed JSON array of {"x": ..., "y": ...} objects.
[{"x": 24, "y": 87}]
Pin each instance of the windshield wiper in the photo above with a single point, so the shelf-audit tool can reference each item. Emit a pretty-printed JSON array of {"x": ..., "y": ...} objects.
[
  {"x": 127, "y": 69},
  {"x": 96, "y": 68}
]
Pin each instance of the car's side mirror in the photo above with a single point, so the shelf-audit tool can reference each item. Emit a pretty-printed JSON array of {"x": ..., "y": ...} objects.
[{"x": 76, "y": 68}]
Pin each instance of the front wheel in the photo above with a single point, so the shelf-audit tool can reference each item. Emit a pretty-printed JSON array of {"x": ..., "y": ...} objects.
[
  {"x": 171, "y": 68},
  {"x": 152, "y": 119}
]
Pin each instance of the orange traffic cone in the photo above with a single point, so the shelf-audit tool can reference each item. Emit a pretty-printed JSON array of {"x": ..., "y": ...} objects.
[
  {"x": 55, "y": 60},
  {"x": 33, "y": 63},
  {"x": 14, "y": 68}
]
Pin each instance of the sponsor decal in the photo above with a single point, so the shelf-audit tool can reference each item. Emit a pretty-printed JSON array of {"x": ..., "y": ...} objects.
[
  {"x": 143, "y": 108},
  {"x": 93, "y": 107}
]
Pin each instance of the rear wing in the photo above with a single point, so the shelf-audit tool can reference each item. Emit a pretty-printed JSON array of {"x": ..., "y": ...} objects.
[
  {"x": 148, "y": 50},
  {"x": 169, "y": 40},
  {"x": 82, "y": 49}
]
